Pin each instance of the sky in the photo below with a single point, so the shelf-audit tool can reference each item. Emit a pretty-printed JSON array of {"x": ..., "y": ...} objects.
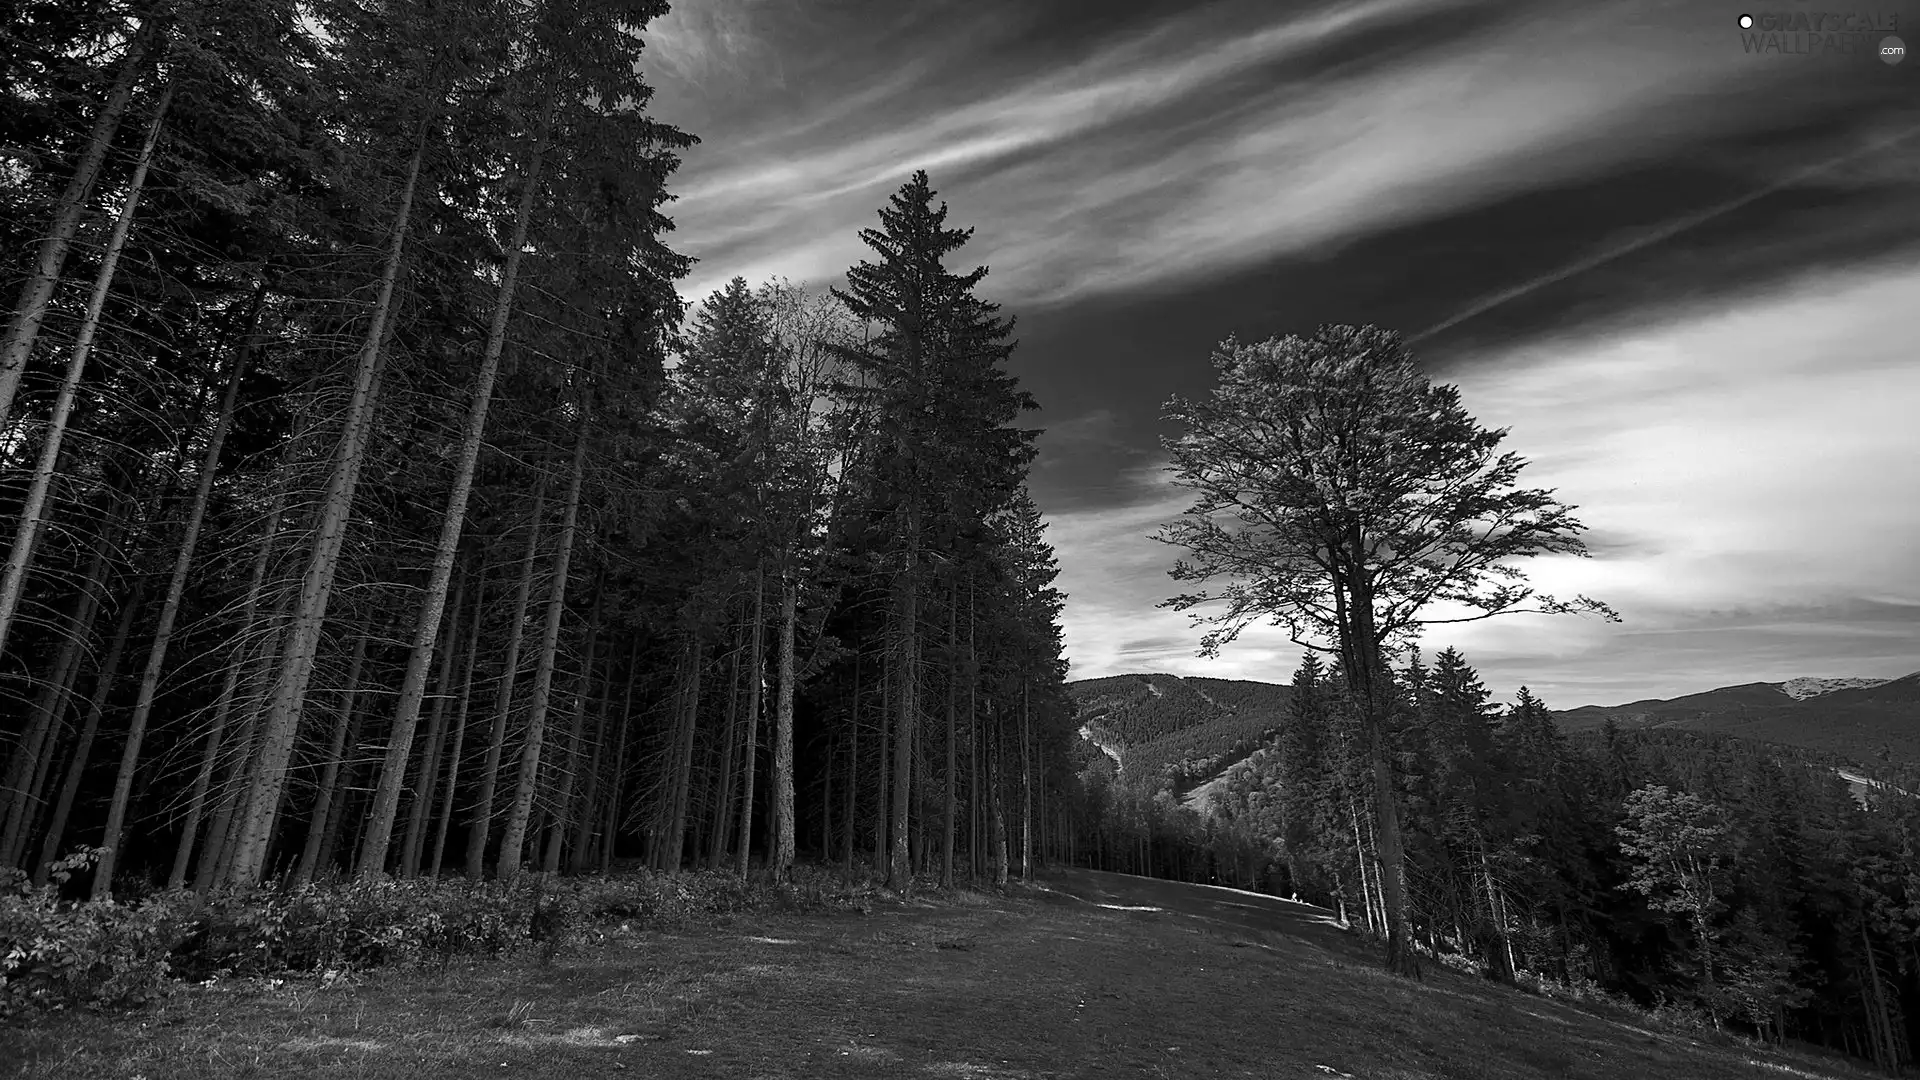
[{"x": 1678, "y": 261}]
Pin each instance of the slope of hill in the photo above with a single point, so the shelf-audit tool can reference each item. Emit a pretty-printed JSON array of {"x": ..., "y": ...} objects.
[
  {"x": 1136, "y": 709},
  {"x": 1858, "y": 719},
  {"x": 1186, "y": 729},
  {"x": 1083, "y": 974}
]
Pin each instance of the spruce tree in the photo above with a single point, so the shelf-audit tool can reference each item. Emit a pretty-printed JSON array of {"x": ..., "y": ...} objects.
[{"x": 941, "y": 402}]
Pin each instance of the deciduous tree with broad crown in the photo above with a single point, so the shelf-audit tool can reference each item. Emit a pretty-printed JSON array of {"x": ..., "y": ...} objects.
[{"x": 1344, "y": 496}]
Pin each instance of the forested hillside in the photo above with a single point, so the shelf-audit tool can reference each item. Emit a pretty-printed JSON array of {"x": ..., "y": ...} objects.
[
  {"x": 1136, "y": 709},
  {"x": 1177, "y": 731},
  {"x": 1738, "y": 879},
  {"x": 376, "y": 508}
]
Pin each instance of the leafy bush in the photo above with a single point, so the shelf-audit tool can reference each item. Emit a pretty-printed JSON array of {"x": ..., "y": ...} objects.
[
  {"x": 98, "y": 956},
  {"x": 357, "y": 925},
  {"x": 107, "y": 955}
]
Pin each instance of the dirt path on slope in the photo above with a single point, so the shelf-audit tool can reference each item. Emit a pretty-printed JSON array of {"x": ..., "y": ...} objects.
[{"x": 1230, "y": 912}]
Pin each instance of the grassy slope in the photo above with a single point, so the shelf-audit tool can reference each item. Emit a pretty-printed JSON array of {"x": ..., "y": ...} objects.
[{"x": 1076, "y": 979}]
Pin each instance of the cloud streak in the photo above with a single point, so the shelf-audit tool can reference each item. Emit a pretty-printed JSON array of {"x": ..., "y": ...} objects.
[
  {"x": 1177, "y": 153},
  {"x": 1874, "y": 150}
]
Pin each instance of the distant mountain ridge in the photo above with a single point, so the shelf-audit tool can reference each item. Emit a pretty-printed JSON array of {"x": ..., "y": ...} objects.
[
  {"x": 1856, "y": 718},
  {"x": 1151, "y": 723}
]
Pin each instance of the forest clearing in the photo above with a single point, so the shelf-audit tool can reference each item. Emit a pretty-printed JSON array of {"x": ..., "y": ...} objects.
[{"x": 1082, "y": 974}]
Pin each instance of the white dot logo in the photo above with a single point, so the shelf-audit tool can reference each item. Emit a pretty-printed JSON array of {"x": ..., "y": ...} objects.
[
  {"x": 1892, "y": 49},
  {"x": 1746, "y": 22}
]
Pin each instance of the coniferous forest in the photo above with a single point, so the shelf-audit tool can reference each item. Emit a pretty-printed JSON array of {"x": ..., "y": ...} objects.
[{"x": 377, "y": 511}]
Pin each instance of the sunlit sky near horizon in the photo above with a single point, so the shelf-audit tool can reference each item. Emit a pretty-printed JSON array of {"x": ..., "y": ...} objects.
[{"x": 1684, "y": 274}]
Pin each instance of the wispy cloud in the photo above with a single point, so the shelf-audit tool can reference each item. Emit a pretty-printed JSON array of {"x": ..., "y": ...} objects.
[
  {"x": 797, "y": 190},
  {"x": 699, "y": 40},
  {"x": 1179, "y": 152},
  {"x": 1837, "y": 166}
]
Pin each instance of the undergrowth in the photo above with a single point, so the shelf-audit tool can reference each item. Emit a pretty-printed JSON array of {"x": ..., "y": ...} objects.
[{"x": 107, "y": 956}]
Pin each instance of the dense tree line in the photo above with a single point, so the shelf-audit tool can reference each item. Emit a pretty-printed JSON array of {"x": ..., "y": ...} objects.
[
  {"x": 376, "y": 508},
  {"x": 1740, "y": 880},
  {"x": 1739, "y": 883}
]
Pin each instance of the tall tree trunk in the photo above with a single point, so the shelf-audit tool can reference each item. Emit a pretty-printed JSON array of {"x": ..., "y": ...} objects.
[
  {"x": 30, "y": 310},
  {"x": 673, "y": 846},
  {"x": 917, "y": 799},
  {"x": 997, "y": 808},
  {"x": 568, "y": 763},
  {"x": 750, "y": 745},
  {"x": 1040, "y": 797},
  {"x": 419, "y": 815},
  {"x": 37, "y": 788},
  {"x": 616, "y": 782},
  {"x": 51, "y": 703},
  {"x": 880, "y": 769},
  {"x": 323, "y": 799},
  {"x": 344, "y": 794},
  {"x": 783, "y": 839},
  {"x": 826, "y": 803},
  {"x": 482, "y": 821},
  {"x": 96, "y": 707},
  {"x": 282, "y": 722},
  {"x": 222, "y": 713},
  {"x": 723, "y": 814},
  {"x": 975, "y": 810},
  {"x": 907, "y": 699},
  {"x": 514, "y": 835},
  {"x": 589, "y": 800},
  {"x": 1360, "y": 866},
  {"x": 163, "y": 633},
  {"x": 749, "y": 748},
  {"x": 223, "y": 832},
  {"x": 1880, "y": 1018},
  {"x": 1026, "y": 787},
  {"x": 1500, "y": 951},
  {"x": 1367, "y": 676},
  {"x": 461, "y": 712},
  {"x": 853, "y": 785},
  {"x": 1379, "y": 871},
  {"x": 13, "y": 576},
  {"x": 386, "y": 800},
  {"x": 953, "y": 684}
]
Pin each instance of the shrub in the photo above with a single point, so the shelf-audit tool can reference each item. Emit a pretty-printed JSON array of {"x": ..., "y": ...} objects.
[
  {"x": 106, "y": 955},
  {"x": 56, "y": 955},
  {"x": 358, "y": 925}
]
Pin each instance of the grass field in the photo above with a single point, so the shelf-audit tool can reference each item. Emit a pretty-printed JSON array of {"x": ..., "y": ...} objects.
[{"x": 1082, "y": 975}]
